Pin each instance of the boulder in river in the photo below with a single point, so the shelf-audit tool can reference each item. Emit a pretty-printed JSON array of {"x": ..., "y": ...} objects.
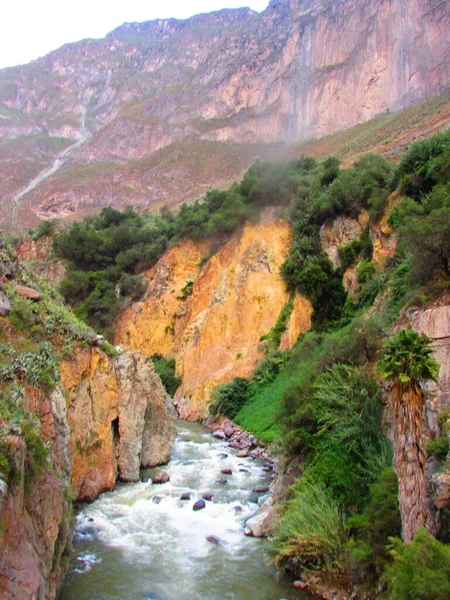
[
  {"x": 213, "y": 539},
  {"x": 208, "y": 496},
  {"x": 226, "y": 472},
  {"x": 222, "y": 455},
  {"x": 242, "y": 454},
  {"x": 219, "y": 434},
  {"x": 161, "y": 477},
  {"x": 185, "y": 496},
  {"x": 260, "y": 489},
  {"x": 145, "y": 479},
  {"x": 199, "y": 505},
  {"x": 156, "y": 499},
  {"x": 228, "y": 429}
]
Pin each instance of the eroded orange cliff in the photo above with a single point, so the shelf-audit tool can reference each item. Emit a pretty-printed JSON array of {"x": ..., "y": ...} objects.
[
  {"x": 215, "y": 332},
  {"x": 117, "y": 418}
]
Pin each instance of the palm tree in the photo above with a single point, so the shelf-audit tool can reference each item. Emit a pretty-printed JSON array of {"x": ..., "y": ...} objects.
[{"x": 406, "y": 361}]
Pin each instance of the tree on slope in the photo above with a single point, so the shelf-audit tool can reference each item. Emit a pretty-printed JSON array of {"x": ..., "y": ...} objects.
[{"x": 406, "y": 361}]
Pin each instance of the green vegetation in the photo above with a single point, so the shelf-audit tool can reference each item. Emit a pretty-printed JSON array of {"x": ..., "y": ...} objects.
[
  {"x": 273, "y": 338},
  {"x": 406, "y": 361},
  {"x": 420, "y": 570},
  {"x": 322, "y": 405},
  {"x": 28, "y": 428},
  {"x": 165, "y": 367}
]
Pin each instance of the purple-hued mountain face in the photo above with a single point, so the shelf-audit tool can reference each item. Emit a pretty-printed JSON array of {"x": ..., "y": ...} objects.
[{"x": 157, "y": 112}]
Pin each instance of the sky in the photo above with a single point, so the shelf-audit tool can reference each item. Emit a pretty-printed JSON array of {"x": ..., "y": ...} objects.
[{"x": 31, "y": 28}]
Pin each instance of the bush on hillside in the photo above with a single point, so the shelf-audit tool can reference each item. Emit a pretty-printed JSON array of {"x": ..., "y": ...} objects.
[{"x": 420, "y": 570}]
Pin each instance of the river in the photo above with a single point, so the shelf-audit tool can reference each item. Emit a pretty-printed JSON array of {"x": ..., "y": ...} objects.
[{"x": 141, "y": 541}]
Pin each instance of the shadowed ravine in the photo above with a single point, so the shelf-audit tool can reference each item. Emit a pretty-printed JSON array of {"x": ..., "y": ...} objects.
[{"x": 129, "y": 546}]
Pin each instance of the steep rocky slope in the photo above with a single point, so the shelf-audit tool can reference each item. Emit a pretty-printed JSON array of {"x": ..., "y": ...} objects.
[
  {"x": 125, "y": 116},
  {"x": 215, "y": 333},
  {"x": 70, "y": 426}
]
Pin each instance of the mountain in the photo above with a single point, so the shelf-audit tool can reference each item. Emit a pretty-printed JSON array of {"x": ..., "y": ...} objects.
[{"x": 157, "y": 112}]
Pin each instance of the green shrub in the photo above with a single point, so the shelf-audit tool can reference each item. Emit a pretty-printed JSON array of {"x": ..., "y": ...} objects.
[
  {"x": 437, "y": 447},
  {"x": 349, "y": 253},
  {"x": 421, "y": 570},
  {"x": 311, "y": 532},
  {"x": 22, "y": 315},
  {"x": 132, "y": 286},
  {"x": 187, "y": 290},
  {"x": 273, "y": 338},
  {"x": 229, "y": 398},
  {"x": 366, "y": 271},
  {"x": 371, "y": 529},
  {"x": 165, "y": 367},
  {"x": 44, "y": 228}
]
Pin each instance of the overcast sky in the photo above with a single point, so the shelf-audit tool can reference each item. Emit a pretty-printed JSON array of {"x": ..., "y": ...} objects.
[{"x": 32, "y": 28}]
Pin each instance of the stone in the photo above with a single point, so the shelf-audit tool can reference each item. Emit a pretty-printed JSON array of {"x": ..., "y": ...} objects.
[
  {"x": 261, "y": 524},
  {"x": 260, "y": 489},
  {"x": 237, "y": 509},
  {"x": 5, "y": 306},
  {"x": 161, "y": 477},
  {"x": 28, "y": 292},
  {"x": 208, "y": 496},
  {"x": 228, "y": 430},
  {"x": 145, "y": 479},
  {"x": 156, "y": 499},
  {"x": 243, "y": 471},
  {"x": 222, "y": 481},
  {"x": 299, "y": 585},
  {"x": 214, "y": 540},
  {"x": 199, "y": 505},
  {"x": 185, "y": 496},
  {"x": 226, "y": 472},
  {"x": 263, "y": 499},
  {"x": 223, "y": 456},
  {"x": 219, "y": 434},
  {"x": 242, "y": 454},
  {"x": 117, "y": 416}
]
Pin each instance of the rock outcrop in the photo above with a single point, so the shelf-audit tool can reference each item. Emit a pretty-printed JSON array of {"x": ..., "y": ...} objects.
[
  {"x": 117, "y": 417},
  {"x": 106, "y": 419},
  {"x": 159, "y": 111},
  {"x": 35, "y": 539},
  {"x": 215, "y": 332}
]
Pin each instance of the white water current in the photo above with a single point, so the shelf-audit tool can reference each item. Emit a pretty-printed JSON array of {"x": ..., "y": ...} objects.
[{"x": 141, "y": 541}]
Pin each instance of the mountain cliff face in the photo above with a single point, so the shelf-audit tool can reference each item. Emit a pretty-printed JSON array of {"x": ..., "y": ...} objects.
[
  {"x": 106, "y": 419},
  {"x": 159, "y": 111},
  {"x": 215, "y": 332}
]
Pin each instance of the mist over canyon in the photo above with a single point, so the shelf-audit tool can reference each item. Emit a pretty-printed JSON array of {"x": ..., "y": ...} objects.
[{"x": 158, "y": 112}]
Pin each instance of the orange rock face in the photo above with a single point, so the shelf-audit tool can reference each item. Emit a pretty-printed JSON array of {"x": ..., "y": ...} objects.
[
  {"x": 215, "y": 332},
  {"x": 117, "y": 419}
]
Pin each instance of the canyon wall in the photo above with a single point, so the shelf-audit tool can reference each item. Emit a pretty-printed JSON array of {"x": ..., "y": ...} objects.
[
  {"x": 106, "y": 419},
  {"x": 157, "y": 112},
  {"x": 214, "y": 330},
  {"x": 117, "y": 417}
]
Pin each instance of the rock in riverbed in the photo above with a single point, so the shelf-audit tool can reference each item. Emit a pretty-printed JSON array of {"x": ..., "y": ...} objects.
[
  {"x": 199, "y": 505},
  {"x": 162, "y": 477}
]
